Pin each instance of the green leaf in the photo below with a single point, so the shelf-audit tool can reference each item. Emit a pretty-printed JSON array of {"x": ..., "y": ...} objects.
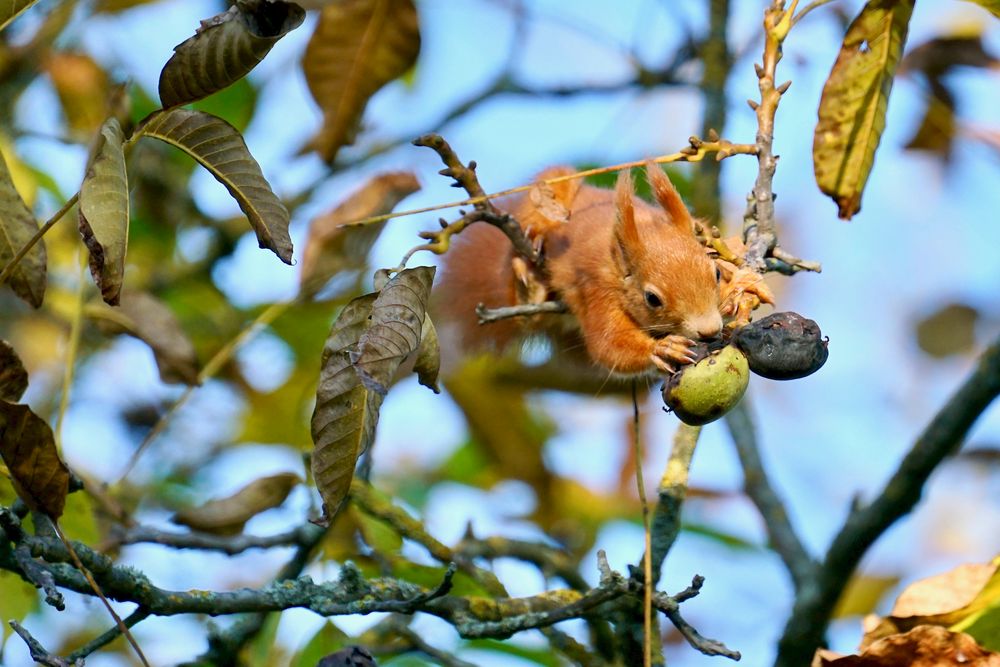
[
  {"x": 536, "y": 655},
  {"x": 104, "y": 212},
  {"x": 327, "y": 639},
  {"x": 150, "y": 320},
  {"x": 855, "y": 97},
  {"x": 343, "y": 422},
  {"x": 219, "y": 148},
  {"x": 18, "y": 600},
  {"x": 13, "y": 377},
  {"x": 28, "y": 448},
  {"x": 224, "y": 49},
  {"x": 17, "y": 227},
  {"x": 11, "y": 9},
  {"x": 358, "y": 47}
]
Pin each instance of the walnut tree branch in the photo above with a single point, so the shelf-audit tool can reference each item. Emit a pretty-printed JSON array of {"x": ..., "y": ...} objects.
[
  {"x": 487, "y": 315},
  {"x": 943, "y": 435}
]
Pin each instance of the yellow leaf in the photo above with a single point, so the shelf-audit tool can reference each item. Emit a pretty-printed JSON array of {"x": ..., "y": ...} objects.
[
  {"x": 855, "y": 98},
  {"x": 358, "y": 47}
]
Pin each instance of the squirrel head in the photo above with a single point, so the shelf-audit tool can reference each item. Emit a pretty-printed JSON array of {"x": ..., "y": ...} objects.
[{"x": 670, "y": 286}]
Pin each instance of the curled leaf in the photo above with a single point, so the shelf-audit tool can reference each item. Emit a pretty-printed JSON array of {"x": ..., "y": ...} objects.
[
  {"x": 343, "y": 421},
  {"x": 13, "y": 377},
  {"x": 331, "y": 249},
  {"x": 226, "y": 516},
  {"x": 17, "y": 227},
  {"x": 923, "y": 646},
  {"x": 397, "y": 319},
  {"x": 28, "y": 449},
  {"x": 104, "y": 212},
  {"x": 219, "y": 148},
  {"x": 358, "y": 47},
  {"x": 224, "y": 49},
  {"x": 855, "y": 98},
  {"x": 428, "y": 363},
  {"x": 150, "y": 320}
]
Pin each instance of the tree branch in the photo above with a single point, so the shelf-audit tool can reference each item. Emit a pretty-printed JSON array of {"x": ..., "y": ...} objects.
[
  {"x": 941, "y": 438},
  {"x": 782, "y": 535}
]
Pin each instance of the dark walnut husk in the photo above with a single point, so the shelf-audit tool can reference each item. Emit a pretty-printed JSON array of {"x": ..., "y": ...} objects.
[
  {"x": 783, "y": 346},
  {"x": 703, "y": 392}
]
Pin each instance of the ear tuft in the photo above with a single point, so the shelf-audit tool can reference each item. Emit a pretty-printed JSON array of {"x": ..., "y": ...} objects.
[
  {"x": 666, "y": 194},
  {"x": 625, "y": 228}
]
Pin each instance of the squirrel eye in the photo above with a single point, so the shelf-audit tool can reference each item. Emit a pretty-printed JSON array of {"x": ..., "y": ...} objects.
[
  {"x": 652, "y": 300},
  {"x": 718, "y": 274}
]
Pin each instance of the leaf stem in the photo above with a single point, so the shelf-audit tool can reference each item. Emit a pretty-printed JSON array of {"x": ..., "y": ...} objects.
[
  {"x": 12, "y": 264},
  {"x": 72, "y": 348},
  {"x": 214, "y": 365}
]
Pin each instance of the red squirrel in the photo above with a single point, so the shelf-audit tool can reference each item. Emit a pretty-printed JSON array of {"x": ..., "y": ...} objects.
[{"x": 638, "y": 284}]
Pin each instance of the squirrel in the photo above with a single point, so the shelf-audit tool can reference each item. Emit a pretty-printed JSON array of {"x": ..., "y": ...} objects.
[{"x": 638, "y": 285}]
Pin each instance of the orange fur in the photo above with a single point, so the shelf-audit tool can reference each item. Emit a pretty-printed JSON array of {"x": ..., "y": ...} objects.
[{"x": 604, "y": 262}]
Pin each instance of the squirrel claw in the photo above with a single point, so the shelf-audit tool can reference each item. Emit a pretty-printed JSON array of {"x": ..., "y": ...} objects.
[{"x": 671, "y": 350}]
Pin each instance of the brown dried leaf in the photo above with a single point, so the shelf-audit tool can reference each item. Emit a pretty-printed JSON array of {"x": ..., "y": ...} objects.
[
  {"x": 343, "y": 422},
  {"x": 226, "y": 516},
  {"x": 150, "y": 320},
  {"x": 225, "y": 49},
  {"x": 17, "y": 227},
  {"x": 358, "y": 47},
  {"x": 397, "y": 319},
  {"x": 104, "y": 212},
  {"x": 28, "y": 449},
  {"x": 923, "y": 646},
  {"x": 951, "y": 329},
  {"x": 428, "y": 363},
  {"x": 855, "y": 98},
  {"x": 219, "y": 148},
  {"x": 13, "y": 377},
  {"x": 83, "y": 88},
  {"x": 331, "y": 248}
]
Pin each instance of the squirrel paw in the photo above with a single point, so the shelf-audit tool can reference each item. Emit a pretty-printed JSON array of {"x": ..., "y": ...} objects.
[
  {"x": 672, "y": 351},
  {"x": 529, "y": 284}
]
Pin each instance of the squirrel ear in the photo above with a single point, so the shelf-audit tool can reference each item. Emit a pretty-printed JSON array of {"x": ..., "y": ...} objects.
[
  {"x": 669, "y": 199},
  {"x": 626, "y": 230}
]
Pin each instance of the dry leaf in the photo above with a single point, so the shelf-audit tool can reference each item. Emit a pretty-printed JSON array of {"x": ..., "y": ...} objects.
[
  {"x": 855, "y": 99},
  {"x": 13, "y": 377},
  {"x": 225, "y": 49},
  {"x": 343, "y": 421},
  {"x": 358, "y": 47},
  {"x": 17, "y": 227},
  {"x": 83, "y": 89},
  {"x": 28, "y": 449},
  {"x": 923, "y": 646},
  {"x": 219, "y": 148},
  {"x": 397, "y": 319},
  {"x": 428, "y": 363},
  {"x": 104, "y": 212},
  {"x": 226, "y": 516},
  {"x": 150, "y": 320},
  {"x": 331, "y": 249}
]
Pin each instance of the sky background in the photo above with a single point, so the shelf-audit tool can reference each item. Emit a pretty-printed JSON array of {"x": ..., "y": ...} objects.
[{"x": 926, "y": 235}]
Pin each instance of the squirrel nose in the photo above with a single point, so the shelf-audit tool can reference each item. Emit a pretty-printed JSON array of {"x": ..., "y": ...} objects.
[{"x": 708, "y": 326}]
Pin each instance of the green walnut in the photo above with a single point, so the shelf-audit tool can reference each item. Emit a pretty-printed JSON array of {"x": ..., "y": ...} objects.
[{"x": 703, "y": 392}]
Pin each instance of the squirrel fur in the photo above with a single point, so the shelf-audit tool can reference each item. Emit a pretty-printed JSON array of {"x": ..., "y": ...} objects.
[{"x": 638, "y": 285}]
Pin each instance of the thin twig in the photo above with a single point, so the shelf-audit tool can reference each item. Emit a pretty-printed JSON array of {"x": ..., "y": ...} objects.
[
  {"x": 647, "y": 554},
  {"x": 72, "y": 347},
  {"x": 487, "y": 315},
  {"x": 56, "y": 217},
  {"x": 38, "y": 652},
  {"x": 808, "y": 8},
  {"x": 109, "y": 636},
  {"x": 228, "y": 544},
  {"x": 214, "y": 365}
]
